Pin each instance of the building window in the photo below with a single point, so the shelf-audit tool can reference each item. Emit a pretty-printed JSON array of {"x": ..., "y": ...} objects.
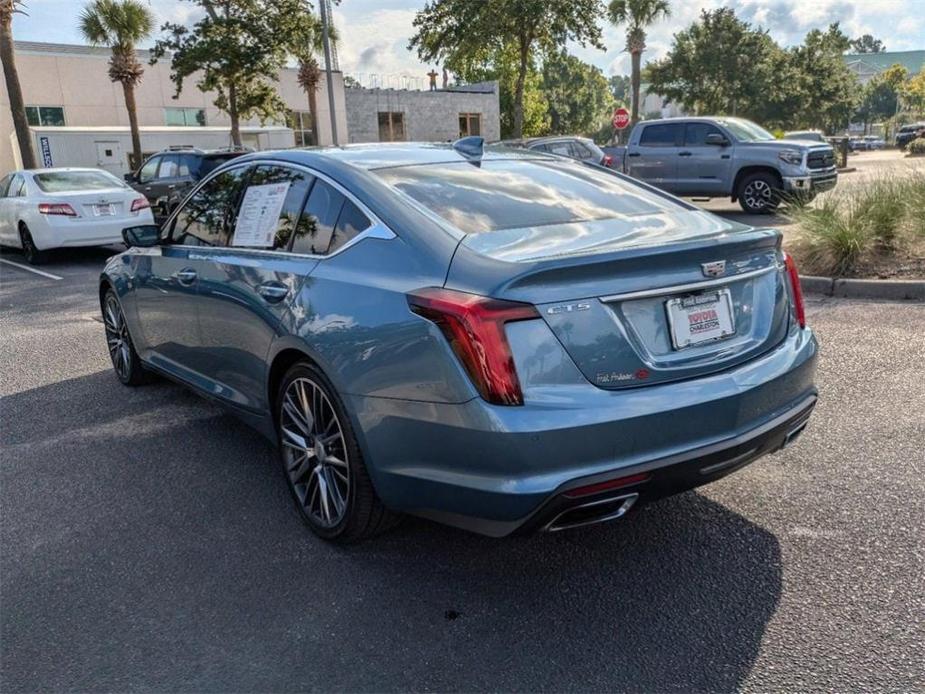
[
  {"x": 391, "y": 126},
  {"x": 303, "y": 127},
  {"x": 184, "y": 116},
  {"x": 45, "y": 115},
  {"x": 470, "y": 124}
]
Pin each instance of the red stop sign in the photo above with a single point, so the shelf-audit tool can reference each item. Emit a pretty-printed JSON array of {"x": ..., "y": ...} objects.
[{"x": 621, "y": 118}]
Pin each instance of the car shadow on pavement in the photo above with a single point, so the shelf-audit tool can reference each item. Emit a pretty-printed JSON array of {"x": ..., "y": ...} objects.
[{"x": 149, "y": 542}]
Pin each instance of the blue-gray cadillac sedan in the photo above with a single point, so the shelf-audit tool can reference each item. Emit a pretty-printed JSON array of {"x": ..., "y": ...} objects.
[{"x": 497, "y": 339}]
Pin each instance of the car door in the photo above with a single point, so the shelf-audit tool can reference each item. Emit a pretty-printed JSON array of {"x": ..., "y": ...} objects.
[
  {"x": 246, "y": 288},
  {"x": 167, "y": 279},
  {"x": 703, "y": 169},
  {"x": 10, "y": 208},
  {"x": 145, "y": 180},
  {"x": 167, "y": 179},
  {"x": 5, "y": 225},
  {"x": 653, "y": 158}
]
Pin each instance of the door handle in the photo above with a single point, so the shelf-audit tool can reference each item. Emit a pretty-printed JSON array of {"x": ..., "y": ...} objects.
[
  {"x": 633, "y": 154},
  {"x": 186, "y": 276},
  {"x": 272, "y": 291},
  {"x": 684, "y": 154}
]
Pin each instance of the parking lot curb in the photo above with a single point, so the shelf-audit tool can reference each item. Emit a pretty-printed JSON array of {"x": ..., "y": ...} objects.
[{"x": 892, "y": 290}]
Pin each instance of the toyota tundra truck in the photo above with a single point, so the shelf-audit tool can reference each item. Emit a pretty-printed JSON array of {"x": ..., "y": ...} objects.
[{"x": 712, "y": 157}]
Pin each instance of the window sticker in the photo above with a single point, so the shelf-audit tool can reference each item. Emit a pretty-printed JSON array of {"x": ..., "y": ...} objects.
[{"x": 259, "y": 215}]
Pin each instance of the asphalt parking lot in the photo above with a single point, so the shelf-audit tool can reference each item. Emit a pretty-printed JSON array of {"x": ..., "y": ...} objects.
[{"x": 149, "y": 543}]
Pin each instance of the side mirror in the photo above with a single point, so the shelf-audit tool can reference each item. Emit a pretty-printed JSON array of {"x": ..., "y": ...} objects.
[
  {"x": 129, "y": 177},
  {"x": 142, "y": 236},
  {"x": 716, "y": 139}
]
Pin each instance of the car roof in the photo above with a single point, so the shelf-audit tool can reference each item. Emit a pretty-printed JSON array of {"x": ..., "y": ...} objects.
[
  {"x": 62, "y": 169},
  {"x": 381, "y": 155}
]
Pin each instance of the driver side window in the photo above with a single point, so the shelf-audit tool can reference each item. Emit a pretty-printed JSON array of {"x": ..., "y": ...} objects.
[
  {"x": 148, "y": 170},
  {"x": 205, "y": 218}
]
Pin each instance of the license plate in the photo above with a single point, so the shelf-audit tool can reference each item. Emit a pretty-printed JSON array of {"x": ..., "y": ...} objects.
[
  {"x": 104, "y": 210},
  {"x": 700, "y": 318}
]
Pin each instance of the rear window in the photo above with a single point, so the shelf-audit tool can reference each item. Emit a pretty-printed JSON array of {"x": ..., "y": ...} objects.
[
  {"x": 512, "y": 194},
  {"x": 61, "y": 181}
]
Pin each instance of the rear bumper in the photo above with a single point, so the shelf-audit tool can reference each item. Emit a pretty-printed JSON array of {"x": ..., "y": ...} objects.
[
  {"x": 497, "y": 470},
  {"x": 64, "y": 232}
]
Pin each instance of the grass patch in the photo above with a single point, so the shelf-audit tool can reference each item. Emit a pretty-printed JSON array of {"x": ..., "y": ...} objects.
[{"x": 844, "y": 229}]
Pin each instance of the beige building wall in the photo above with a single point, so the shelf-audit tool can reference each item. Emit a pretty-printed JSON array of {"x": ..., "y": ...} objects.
[{"x": 75, "y": 78}]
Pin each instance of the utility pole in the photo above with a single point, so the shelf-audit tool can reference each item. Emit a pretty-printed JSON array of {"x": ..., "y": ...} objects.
[{"x": 325, "y": 19}]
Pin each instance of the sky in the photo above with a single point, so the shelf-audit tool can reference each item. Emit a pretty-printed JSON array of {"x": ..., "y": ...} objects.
[{"x": 375, "y": 33}]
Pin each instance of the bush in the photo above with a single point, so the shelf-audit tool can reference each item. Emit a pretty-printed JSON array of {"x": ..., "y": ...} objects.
[
  {"x": 839, "y": 229},
  {"x": 917, "y": 146}
]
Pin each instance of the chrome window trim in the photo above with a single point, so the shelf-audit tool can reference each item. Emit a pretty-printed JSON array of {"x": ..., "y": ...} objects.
[
  {"x": 376, "y": 230},
  {"x": 691, "y": 286}
]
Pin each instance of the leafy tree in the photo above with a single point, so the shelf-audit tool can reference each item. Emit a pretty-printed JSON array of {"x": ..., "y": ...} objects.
[
  {"x": 305, "y": 51},
  {"x": 867, "y": 44},
  {"x": 828, "y": 89},
  {"x": 237, "y": 50},
  {"x": 17, "y": 106},
  {"x": 636, "y": 15},
  {"x": 456, "y": 33},
  {"x": 502, "y": 66},
  {"x": 121, "y": 24},
  {"x": 880, "y": 96},
  {"x": 721, "y": 65},
  {"x": 619, "y": 88},
  {"x": 578, "y": 94},
  {"x": 913, "y": 92}
]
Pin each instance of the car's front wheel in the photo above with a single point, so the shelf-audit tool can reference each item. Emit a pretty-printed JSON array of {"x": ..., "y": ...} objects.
[
  {"x": 322, "y": 460},
  {"x": 122, "y": 352},
  {"x": 759, "y": 193}
]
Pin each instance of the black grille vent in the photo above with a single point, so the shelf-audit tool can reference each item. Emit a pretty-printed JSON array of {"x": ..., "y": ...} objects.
[{"x": 821, "y": 160}]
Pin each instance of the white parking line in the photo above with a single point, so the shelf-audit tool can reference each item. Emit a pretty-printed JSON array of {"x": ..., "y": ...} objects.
[{"x": 31, "y": 269}]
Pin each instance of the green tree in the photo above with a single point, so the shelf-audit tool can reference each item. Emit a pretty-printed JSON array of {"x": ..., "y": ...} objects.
[
  {"x": 306, "y": 49},
  {"x": 121, "y": 24},
  {"x": 8, "y": 8},
  {"x": 636, "y": 15},
  {"x": 578, "y": 94},
  {"x": 913, "y": 92},
  {"x": 456, "y": 33},
  {"x": 620, "y": 89},
  {"x": 721, "y": 65},
  {"x": 829, "y": 90},
  {"x": 237, "y": 50},
  {"x": 867, "y": 44}
]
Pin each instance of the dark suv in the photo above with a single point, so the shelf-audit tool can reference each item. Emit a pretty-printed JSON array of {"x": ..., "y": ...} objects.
[
  {"x": 908, "y": 133},
  {"x": 167, "y": 176}
]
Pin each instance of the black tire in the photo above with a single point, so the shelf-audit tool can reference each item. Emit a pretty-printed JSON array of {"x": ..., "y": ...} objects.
[
  {"x": 759, "y": 193},
  {"x": 307, "y": 456},
  {"x": 125, "y": 360},
  {"x": 32, "y": 254}
]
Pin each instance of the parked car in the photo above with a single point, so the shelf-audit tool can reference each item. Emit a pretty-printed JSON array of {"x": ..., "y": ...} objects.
[
  {"x": 908, "y": 133},
  {"x": 41, "y": 209},
  {"x": 580, "y": 148},
  {"x": 717, "y": 157},
  {"x": 166, "y": 177},
  {"x": 874, "y": 142},
  {"x": 495, "y": 339},
  {"x": 857, "y": 144},
  {"x": 806, "y": 135}
]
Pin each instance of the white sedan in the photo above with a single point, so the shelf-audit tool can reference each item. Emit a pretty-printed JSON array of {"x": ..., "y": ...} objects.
[{"x": 42, "y": 209}]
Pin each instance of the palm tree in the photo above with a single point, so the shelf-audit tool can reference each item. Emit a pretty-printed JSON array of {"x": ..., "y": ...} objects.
[
  {"x": 309, "y": 75},
  {"x": 120, "y": 24},
  {"x": 637, "y": 15},
  {"x": 18, "y": 107}
]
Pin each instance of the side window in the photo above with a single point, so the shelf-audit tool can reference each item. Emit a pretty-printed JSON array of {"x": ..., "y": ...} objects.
[
  {"x": 187, "y": 164},
  {"x": 580, "y": 151},
  {"x": 560, "y": 148},
  {"x": 169, "y": 166},
  {"x": 4, "y": 184},
  {"x": 667, "y": 135},
  {"x": 257, "y": 223},
  {"x": 148, "y": 170},
  {"x": 16, "y": 187},
  {"x": 318, "y": 220},
  {"x": 350, "y": 223},
  {"x": 540, "y": 148},
  {"x": 695, "y": 134},
  {"x": 204, "y": 219}
]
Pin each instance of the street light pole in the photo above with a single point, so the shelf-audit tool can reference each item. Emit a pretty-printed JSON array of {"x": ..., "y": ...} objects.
[{"x": 327, "y": 67}]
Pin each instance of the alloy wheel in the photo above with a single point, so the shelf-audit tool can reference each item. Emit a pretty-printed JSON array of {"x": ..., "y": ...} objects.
[
  {"x": 315, "y": 452},
  {"x": 117, "y": 338},
  {"x": 757, "y": 194}
]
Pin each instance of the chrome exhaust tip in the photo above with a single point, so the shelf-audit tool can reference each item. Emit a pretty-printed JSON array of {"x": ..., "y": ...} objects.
[{"x": 598, "y": 511}]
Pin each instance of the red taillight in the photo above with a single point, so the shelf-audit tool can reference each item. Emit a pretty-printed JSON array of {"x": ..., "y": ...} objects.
[
  {"x": 60, "y": 208},
  {"x": 140, "y": 204},
  {"x": 607, "y": 485},
  {"x": 608, "y": 161},
  {"x": 474, "y": 327},
  {"x": 797, "y": 291}
]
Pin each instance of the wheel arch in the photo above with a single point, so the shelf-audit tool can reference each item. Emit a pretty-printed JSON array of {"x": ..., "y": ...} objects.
[{"x": 748, "y": 171}]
